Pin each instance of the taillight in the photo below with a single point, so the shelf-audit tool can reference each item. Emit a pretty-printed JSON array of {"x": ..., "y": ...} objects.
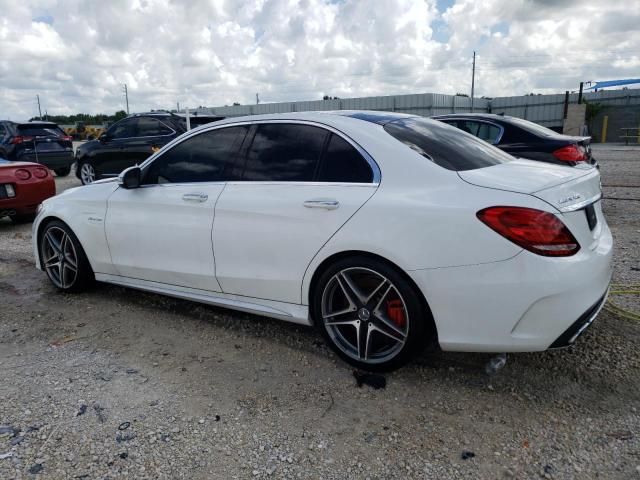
[
  {"x": 534, "y": 230},
  {"x": 20, "y": 139},
  {"x": 66, "y": 138},
  {"x": 22, "y": 174},
  {"x": 40, "y": 172},
  {"x": 571, "y": 153}
]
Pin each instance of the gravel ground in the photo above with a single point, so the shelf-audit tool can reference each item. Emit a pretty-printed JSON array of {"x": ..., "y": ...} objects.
[{"x": 115, "y": 383}]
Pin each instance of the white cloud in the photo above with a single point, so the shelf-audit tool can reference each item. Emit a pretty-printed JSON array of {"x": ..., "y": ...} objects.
[{"x": 76, "y": 54}]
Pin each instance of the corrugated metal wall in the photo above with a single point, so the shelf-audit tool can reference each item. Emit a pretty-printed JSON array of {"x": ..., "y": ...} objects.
[
  {"x": 425, "y": 104},
  {"x": 548, "y": 110},
  {"x": 543, "y": 109}
]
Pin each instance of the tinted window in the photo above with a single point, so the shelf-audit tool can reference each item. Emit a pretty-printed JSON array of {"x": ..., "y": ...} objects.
[
  {"x": 343, "y": 163},
  {"x": 123, "y": 129},
  {"x": 482, "y": 130},
  {"x": 446, "y": 146},
  {"x": 207, "y": 157},
  {"x": 40, "y": 130},
  {"x": 532, "y": 127},
  {"x": 284, "y": 152},
  {"x": 150, "y": 127}
]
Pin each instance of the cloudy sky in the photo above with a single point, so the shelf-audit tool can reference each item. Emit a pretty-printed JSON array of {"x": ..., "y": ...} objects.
[{"x": 77, "y": 54}]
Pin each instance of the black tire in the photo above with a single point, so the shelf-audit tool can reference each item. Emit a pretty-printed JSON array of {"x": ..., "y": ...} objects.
[
  {"x": 27, "y": 218},
  {"x": 67, "y": 281},
  {"x": 62, "y": 172},
  {"x": 408, "y": 314}
]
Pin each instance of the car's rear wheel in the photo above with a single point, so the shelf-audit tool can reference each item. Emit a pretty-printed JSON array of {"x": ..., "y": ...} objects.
[
  {"x": 62, "y": 172},
  {"x": 63, "y": 258},
  {"x": 87, "y": 173},
  {"x": 370, "y": 314}
]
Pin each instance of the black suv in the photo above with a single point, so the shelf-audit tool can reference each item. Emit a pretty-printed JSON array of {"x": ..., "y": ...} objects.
[
  {"x": 40, "y": 142},
  {"x": 129, "y": 142}
]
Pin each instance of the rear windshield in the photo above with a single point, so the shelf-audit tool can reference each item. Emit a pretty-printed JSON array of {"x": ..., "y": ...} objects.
[
  {"x": 445, "y": 145},
  {"x": 40, "y": 130},
  {"x": 533, "y": 127}
]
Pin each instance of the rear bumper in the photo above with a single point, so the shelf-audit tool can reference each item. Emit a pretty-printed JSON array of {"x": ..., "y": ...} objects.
[
  {"x": 51, "y": 160},
  {"x": 526, "y": 303},
  {"x": 580, "y": 326}
]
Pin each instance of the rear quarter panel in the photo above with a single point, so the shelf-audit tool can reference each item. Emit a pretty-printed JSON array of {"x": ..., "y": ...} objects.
[{"x": 423, "y": 217}]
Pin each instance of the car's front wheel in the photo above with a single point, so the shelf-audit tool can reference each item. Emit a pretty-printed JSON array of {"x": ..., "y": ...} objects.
[
  {"x": 63, "y": 258},
  {"x": 87, "y": 173},
  {"x": 370, "y": 314}
]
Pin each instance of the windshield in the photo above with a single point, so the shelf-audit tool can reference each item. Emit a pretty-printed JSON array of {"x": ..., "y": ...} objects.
[{"x": 445, "y": 145}]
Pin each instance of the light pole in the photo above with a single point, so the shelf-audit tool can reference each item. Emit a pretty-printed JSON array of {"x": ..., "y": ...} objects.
[
  {"x": 126, "y": 96},
  {"x": 473, "y": 79}
]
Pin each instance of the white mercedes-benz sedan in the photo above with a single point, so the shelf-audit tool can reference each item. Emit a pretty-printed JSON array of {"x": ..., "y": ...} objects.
[{"x": 388, "y": 232}]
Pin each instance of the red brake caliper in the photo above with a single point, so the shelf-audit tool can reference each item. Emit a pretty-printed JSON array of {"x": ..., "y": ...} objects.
[{"x": 395, "y": 311}]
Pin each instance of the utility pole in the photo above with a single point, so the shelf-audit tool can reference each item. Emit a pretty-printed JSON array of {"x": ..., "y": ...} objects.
[
  {"x": 126, "y": 96},
  {"x": 39, "y": 110},
  {"x": 473, "y": 79},
  {"x": 178, "y": 107},
  {"x": 257, "y": 99}
]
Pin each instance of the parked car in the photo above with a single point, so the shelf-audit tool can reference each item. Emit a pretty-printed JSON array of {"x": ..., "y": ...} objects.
[
  {"x": 39, "y": 142},
  {"x": 388, "y": 232},
  {"x": 23, "y": 186},
  {"x": 524, "y": 139},
  {"x": 129, "y": 142}
]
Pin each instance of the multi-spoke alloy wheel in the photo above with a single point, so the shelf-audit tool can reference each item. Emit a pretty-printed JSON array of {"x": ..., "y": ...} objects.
[
  {"x": 87, "y": 173},
  {"x": 63, "y": 258},
  {"x": 369, "y": 313},
  {"x": 59, "y": 257}
]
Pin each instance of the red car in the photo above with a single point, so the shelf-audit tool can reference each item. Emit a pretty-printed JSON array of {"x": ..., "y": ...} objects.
[{"x": 23, "y": 186}]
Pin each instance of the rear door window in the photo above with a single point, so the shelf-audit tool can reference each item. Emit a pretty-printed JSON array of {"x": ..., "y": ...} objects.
[
  {"x": 206, "y": 157},
  {"x": 284, "y": 152},
  {"x": 342, "y": 163},
  {"x": 484, "y": 131},
  {"x": 444, "y": 145}
]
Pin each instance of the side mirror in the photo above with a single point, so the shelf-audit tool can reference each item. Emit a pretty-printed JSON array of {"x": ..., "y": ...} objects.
[
  {"x": 130, "y": 178},
  {"x": 104, "y": 138}
]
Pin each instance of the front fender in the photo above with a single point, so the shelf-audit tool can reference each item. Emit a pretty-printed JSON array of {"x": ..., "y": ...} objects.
[{"x": 84, "y": 210}]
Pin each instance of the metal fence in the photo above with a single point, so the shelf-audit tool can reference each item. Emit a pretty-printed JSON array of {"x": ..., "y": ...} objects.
[
  {"x": 424, "y": 104},
  {"x": 546, "y": 110}
]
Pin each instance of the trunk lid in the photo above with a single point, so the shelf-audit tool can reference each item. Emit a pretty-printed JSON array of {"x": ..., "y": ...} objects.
[{"x": 566, "y": 188}]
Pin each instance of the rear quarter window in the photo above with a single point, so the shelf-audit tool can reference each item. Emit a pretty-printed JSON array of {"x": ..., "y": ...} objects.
[{"x": 445, "y": 145}]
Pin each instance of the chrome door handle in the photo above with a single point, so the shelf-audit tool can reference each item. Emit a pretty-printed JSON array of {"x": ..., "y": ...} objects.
[
  {"x": 195, "y": 197},
  {"x": 322, "y": 203}
]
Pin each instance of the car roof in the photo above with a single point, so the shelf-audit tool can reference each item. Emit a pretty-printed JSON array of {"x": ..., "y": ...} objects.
[
  {"x": 487, "y": 116},
  {"x": 152, "y": 114},
  {"x": 323, "y": 116},
  {"x": 31, "y": 122}
]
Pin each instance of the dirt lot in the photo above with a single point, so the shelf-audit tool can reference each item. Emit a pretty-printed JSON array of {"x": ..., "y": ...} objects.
[{"x": 116, "y": 383}]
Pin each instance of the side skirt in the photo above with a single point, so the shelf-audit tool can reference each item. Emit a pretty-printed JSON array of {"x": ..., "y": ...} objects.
[{"x": 282, "y": 311}]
